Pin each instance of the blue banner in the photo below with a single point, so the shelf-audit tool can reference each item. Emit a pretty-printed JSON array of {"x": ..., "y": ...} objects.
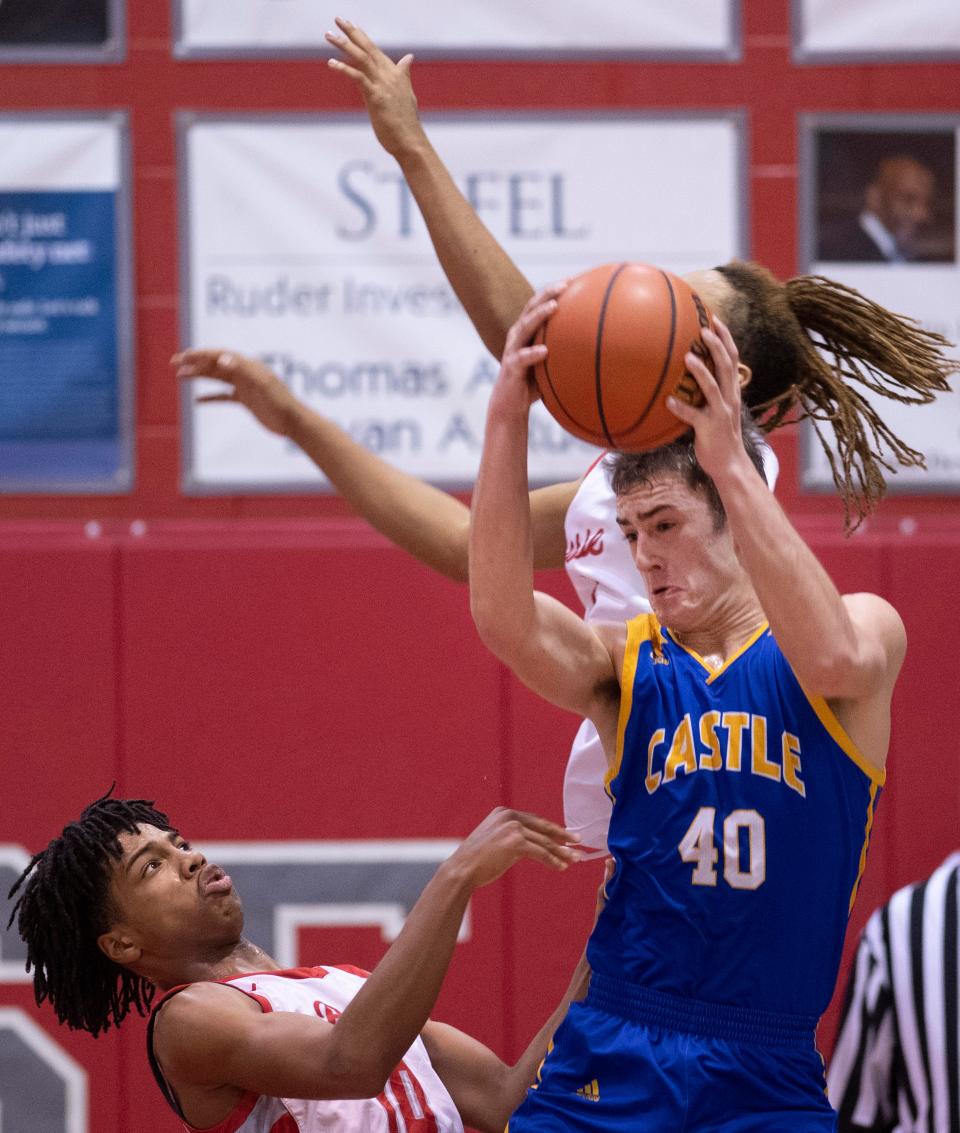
[{"x": 60, "y": 412}]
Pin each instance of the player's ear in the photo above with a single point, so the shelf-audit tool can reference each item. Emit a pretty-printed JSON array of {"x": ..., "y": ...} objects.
[
  {"x": 746, "y": 374},
  {"x": 119, "y": 946}
]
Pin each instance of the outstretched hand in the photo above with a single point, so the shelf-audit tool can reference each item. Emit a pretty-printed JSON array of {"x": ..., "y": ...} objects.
[
  {"x": 254, "y": 385},
  {"x": 385, "y": 85},
  {"x": 717, "y": 424},
  {"x": 504, "y": 837},
  {"x": 515, "y": 389}
]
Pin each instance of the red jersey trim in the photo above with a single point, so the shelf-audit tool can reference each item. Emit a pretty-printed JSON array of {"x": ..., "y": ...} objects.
[
  {"x": 288, "y": 973},
  {"x": 234, "y": 1119},
  {"x": 594, "y": 465}
]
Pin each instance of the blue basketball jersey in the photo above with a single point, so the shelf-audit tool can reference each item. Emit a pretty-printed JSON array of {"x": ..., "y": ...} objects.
[{"x": 741, "y": 820}]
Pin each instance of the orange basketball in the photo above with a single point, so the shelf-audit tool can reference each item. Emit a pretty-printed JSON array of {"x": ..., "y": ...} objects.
[{"x": 616, "y": 346}]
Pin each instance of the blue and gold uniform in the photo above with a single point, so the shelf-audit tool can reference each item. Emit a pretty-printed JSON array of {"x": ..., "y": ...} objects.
[{"x": 741, "y": 819}]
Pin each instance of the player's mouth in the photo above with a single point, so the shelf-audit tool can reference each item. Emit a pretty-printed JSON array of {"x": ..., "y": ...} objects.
[{"x": 213, "y": 881}]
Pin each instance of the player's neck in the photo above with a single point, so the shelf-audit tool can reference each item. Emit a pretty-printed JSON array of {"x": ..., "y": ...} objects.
[
  {"x": 725, "y": 635},
  {"x": 242, "y": 957}
]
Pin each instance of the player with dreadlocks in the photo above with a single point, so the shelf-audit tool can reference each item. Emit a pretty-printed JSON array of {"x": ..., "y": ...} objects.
[
  {"x": 120, "y": 906},
  {"x": 809, "y": 347}
]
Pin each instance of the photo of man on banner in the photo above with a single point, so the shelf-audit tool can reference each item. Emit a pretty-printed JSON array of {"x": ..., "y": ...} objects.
[
  {"x": 878, "y": 213},
  {"x": 886, "y": 197}
]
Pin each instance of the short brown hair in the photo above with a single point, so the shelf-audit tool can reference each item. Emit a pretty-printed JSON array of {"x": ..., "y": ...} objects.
[{"x": 628, "y": 469}]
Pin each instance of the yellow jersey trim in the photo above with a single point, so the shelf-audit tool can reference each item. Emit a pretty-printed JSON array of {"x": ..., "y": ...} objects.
[
  {"x": 871, "y": 808},
  {"x": 839, "y": 735},
  {"x": 539, "y": 1074},
  {"x": 714, "y": 673},
  {"x": 644, "y": 627},
  {"x": 751, "y": 640}
]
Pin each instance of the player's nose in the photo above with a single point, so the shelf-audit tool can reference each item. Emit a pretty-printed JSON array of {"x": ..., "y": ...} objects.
[
  {"x": 644, "y": 555},
  {"x": 192, "y": 862}
]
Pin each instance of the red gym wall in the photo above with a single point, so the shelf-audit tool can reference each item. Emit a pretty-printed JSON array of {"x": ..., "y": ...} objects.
[{"x": 268, "y": 668}]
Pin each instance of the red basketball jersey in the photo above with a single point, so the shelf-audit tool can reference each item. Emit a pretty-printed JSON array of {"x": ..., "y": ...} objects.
[{"x": 414, "y": 1100}]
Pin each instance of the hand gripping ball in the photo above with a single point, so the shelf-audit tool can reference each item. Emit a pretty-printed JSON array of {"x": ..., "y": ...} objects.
[{"x": 615, "y": 352}]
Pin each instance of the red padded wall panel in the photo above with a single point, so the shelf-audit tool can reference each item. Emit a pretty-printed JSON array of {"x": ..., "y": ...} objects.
[
  {"x": 924, "y": 584},
  {"x": 58, "y": 672},
  {"x": 58, "y": 738},
  {"x": 303, "y": 685}
]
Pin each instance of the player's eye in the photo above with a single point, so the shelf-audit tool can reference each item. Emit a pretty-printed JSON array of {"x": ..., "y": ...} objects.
[
  {"x": 630, "y": 536},
  {"x": 185, "y": 846}
]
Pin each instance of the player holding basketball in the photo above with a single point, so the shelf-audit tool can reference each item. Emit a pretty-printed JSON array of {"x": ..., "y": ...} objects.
[
  {"x": 574, "y": 524},
  {"x": 747, "y": 720},
  {"x": 120, "y": 905}
]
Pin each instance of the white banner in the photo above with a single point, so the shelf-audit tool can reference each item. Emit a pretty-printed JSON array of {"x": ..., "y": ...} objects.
[
  {"x": 700, "y": 28},
  {"x": 305, "y": 248},
  {"x": 49, "y": 154},
  {"x": 880, "y": 215},
  {"x": 864, "y": 29}
]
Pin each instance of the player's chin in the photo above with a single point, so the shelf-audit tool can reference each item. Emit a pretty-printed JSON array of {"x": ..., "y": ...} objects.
[
  {"x": 227, "y": 909},
  {"x": 674, "y": 610}
]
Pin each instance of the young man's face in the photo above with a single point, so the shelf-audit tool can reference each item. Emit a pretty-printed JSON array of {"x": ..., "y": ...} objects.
[
  {"x": 169, "y": 903},
  {"x": 688, "y": 564}
]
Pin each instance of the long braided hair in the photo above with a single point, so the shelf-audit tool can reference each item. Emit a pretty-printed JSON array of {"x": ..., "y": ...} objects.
[
  {"x": 64, "y": 906},
  {"x": 818, "y": 347}
]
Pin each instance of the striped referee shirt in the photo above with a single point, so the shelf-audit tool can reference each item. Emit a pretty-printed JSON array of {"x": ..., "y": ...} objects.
[{"x": 896, "y": 1066}]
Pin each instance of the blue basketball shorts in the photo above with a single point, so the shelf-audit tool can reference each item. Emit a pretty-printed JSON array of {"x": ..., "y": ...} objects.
[{"x": 672, "y": 1065}]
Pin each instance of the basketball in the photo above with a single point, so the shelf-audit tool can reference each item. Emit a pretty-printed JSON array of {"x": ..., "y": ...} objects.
[{"x": 616, "y": 345}]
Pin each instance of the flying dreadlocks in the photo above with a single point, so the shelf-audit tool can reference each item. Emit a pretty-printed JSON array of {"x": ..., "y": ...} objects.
[{"x": 817, "y": 347}]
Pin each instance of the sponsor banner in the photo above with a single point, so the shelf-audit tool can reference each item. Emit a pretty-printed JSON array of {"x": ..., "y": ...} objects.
[
  {"x": 870, "y": 29},
  {"x": 879, "y": 207},
  {"x": 65, "y": 302},
  {"x": 681, "y": 29},
  {"x": 67, "y": 31},
  {"x": 306, "y": 249}
]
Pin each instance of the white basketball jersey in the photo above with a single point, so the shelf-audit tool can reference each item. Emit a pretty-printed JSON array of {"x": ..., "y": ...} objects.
[
  {"x": 601, "y": 568},
  {"x": 414, "y": 1100}
]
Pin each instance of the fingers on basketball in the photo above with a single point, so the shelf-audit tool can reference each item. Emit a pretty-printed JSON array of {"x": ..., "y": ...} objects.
[{"x": 617, "y": 346}]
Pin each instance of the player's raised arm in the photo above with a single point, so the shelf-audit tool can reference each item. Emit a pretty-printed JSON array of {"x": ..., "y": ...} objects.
[
  {"x": 842, "y": 648},
  {"x": 487, "y": 1090},
  {"x": 487, "y": 282},
  {"x": 208, "y": 1037},
  {"x": 423, "y": 520},
  {"x": 548, "y": 647}
]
